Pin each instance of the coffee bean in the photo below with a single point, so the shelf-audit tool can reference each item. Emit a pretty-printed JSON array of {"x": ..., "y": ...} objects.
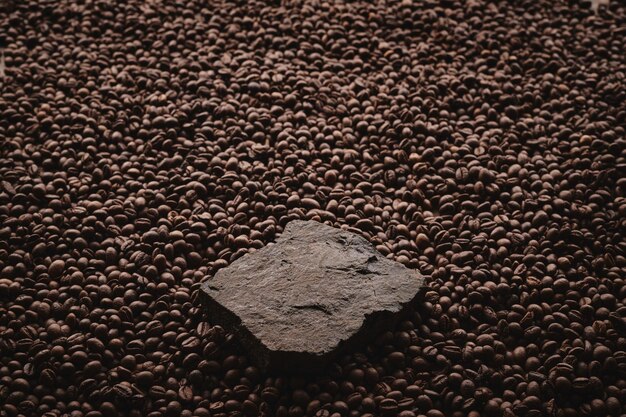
[
  {"x": 144, "y": 379},
  {"x": 388, "y": 406},
  {"x": 56, "y": 268}
]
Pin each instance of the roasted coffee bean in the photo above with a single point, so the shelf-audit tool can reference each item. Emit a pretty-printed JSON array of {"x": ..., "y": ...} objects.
[
  {"x": 144, "y": 379},
  {"x": 56, "y": 268}
]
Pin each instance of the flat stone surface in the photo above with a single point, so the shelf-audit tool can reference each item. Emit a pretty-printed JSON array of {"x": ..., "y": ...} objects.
[{"x": 318, "y": 290}]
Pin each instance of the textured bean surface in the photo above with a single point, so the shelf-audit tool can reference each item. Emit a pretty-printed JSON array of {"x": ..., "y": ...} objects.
[{"x": 146, "y": 144}]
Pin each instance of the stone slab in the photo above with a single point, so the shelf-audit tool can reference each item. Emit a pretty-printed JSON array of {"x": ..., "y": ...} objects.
[{"x": 317, "y": 291}]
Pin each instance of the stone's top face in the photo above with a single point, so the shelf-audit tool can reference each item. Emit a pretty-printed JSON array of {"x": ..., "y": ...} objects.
[{"x": 312, "y": 289}]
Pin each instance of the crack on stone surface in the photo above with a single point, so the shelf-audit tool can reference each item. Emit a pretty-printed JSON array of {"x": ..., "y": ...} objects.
[{"x": 317, "y": 307}]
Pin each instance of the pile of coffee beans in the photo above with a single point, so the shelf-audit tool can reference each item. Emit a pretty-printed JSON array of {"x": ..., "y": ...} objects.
[{"x": 144, "y": 144}]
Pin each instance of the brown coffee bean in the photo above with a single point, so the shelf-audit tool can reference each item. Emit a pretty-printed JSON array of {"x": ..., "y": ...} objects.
[
  {"x": 144, "y": 379},
  {"x": 56, "y": 268}
]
